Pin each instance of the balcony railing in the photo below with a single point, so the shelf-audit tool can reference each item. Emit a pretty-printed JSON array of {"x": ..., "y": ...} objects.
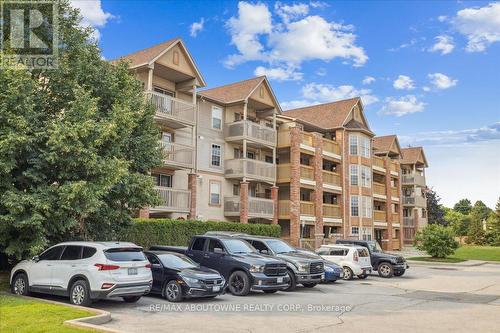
[
  {"x": 307, "y": 208},
  {"x": 408, "y": 221},
  {"x": 331, "y": 211},
  {"x": 331, "y": 146},
  {"x": 307, "y": 172},
  {"x": 284, "y": 173},
  {"x": 177, "y": 155},
  {"x": 257, "y": 207},
  {"x": 284, "y": 208},
  {"x": 379, "y": 215},
  {"x": 413, "y": 178},
  {"x": 414, "y": 200},
  {"x": 254, "y": 169},
  {"x": 395, "y": 218},
  {"x": 246, "y": 129},
  {"x": 379, "y": 188},
  {"x": 394, "y": 192},
  {"x": 172, "y": 109},
  {"x": 307, "y": 139},
  {"x": 331, "y": 178},
  {"x": 394, "y": 166},
  {"x": 173, "y": 200},
  {"x": 379, "y": 162}
]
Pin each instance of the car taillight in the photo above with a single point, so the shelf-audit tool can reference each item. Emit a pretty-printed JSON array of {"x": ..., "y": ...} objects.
[
  {"x": 148, "y": 266},
  {"x": 356, "y": 257},
  {"x": 103, "y": 267}
]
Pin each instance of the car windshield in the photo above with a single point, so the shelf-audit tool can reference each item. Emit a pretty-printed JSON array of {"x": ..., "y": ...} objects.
[
  {"x": 278, "y": 246},
  {"x": 176, "y": 261},
  {"x": 235, "y": 246}
]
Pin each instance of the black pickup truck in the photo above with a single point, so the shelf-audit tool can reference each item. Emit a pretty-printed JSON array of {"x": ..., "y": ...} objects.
[
  {"x": 387, "y": 265},
  {"x": 235, "y": 259}
]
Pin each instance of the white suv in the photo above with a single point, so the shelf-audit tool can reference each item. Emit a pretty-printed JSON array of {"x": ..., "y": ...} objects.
[
  {"x": 85, "y": 271},
  {"x": 355, "y": 260}
]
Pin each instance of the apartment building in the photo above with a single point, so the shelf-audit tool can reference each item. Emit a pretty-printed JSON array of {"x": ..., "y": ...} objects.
[{"x": 413, "y": 164}]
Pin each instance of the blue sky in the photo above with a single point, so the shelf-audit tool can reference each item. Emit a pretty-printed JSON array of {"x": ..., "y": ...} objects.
[{"x": 427, "y": 71}]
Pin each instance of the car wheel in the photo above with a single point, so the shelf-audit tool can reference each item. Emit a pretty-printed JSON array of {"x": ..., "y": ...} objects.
[
  {"x": 20, "y": 285},
  {"x": 348, "y": 274},
  {"x": 362, "y": 276},
  {"x": 172, "y": 291},
  {"x": 270, "y": 291},
  {"x": 131, "y": 299},
  {"x": 385, "y": 270},
  {"x": 239, "y": 283},
  {"x": 399, "y": 273},
  {"x": 292, "y": 284},
  {"x": 80, "y": 293},
  {"x": 309, "y": 285}
]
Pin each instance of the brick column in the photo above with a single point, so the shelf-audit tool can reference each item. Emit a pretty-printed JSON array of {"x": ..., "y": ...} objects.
[
  {"x": 144, "y": 213},
  {"x": 295, "y": 140},
  {"x": 244, "y": 202},
  {"x": 274, "y": 197},
  {"x": 400, "y": 196},
  {"x": 318, "y": 192},
  {"x": 388, "y": 202},
  {"x": 192, "y": 182}
]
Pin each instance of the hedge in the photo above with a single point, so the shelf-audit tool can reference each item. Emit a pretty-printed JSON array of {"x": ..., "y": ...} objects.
[{"x": 147, "y": 232}]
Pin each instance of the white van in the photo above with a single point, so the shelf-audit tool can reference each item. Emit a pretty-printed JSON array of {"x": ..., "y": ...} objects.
[{"x": 355, "y": 260}]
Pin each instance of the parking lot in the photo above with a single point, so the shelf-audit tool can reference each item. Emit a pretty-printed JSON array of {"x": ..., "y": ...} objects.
[{"x": 427, "y": 298}]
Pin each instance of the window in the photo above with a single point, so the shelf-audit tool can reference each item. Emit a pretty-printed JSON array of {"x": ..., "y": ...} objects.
[
  {"x": 260, "y": 246},
  {"x": 366, "y": 176},
  {"x": 125, "y": 254},
  {"x": 339, "y": 252},
  {"x": 366, "y": 206},
  {"x": 175, "y": 57},
  {"x": 251, "y": 155},
  {"x": 167, "y": 137},
  {"x": 164, "y": 91},
  {"x": 353, "y": 144},
  {"x": 214, "y": 193},
  {"x": 216, "y": 154},
  {"x": 198, "y": 244},
  {"x": 354, "y": 205},
  {"x": 354, "y": 174},
  {"x": 354, "y": 230},
  {"x": 53, "y": 253},
  {"x": 366, "y": 235},
  {"x": 162, "y": 180},
  {"x": 88, "y": 252},
  {"x": 365, "y": 147},
  {"x": 269, "y": 159},
  {"x": 215, "y": 244},
  {"x": 216, "y": 118},
  {"x": 236, "y": 189},
  {"x": 237, "y": 117},
  {"x": 152, "y": 259},
  {"x": 72, "y": 252}
]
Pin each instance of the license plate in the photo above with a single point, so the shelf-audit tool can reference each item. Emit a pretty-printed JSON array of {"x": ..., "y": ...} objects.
[
  {"x": 132, "y": 271},
  {"x": 279, "y": 280},
  {"x": 322, "y": 276},
  {"x": 216, "y": 288}
]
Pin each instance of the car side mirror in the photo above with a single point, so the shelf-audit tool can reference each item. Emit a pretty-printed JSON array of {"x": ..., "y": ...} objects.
[
  {"x": 36, "y": 258},
  {"x": 156, "y": 266},
  {"x": 218, "y": 250},
  {"x": 264, "y": 251}
]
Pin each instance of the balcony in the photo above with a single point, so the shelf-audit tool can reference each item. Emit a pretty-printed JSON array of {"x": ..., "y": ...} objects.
[
  {"x": 251, "y": 131},
  {"x": 252, "y": 169},
  {"x": 307, "y": 208},
  {"x": 331, "y": 178},
  {"x": 177, "y": 156},
  {"x": 173, "y": 112},
  {"x": 378, "y": 163},
  {"x": 331, "y": 147},
  {"x": 379, "y": 215},
  {"x": 332, "y": 211},
  {"x": 394, "y": 192},
  {"x": 395, "y": 217},
  {"x": 408, "y": 221},
  {"x": 414, "y": 200},
  {"x": 307, "y": 139},
  {"x": 394, "y": 167},
  {"x": 172, "y": 200},
  {"x": 257, "y": 207},
  {"x": 379, "y": 189},
  {"x": 307, "y": 172},
  {"x": 413, "y": 179}
]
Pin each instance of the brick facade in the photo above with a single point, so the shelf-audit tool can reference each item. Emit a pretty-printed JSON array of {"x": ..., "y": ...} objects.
[
  {"x": 244, "y": 202},
  {"x": 295, "y": 140},
  {"x": 274, "y": 197},
  {"x": 318, "y": 192},
  {"x": 192, "y": 181},
  {"x": 388, "y": 203}
]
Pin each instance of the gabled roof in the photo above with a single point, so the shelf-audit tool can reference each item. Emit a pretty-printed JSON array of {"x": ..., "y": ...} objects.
[
  {"x": 384, "y": 144},
  {"x": 233, "y": 92},
  {"x": 148, "y": 56},
  {"x": 413, "y": 155}
]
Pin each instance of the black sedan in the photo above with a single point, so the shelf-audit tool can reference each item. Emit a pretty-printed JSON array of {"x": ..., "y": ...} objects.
[{"x": 176, "y": 277}]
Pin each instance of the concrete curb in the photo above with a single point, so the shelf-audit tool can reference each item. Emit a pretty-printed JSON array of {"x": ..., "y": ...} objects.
[
  {"x": 92, "y": 322},
  {"x": 467, "y": 263}
]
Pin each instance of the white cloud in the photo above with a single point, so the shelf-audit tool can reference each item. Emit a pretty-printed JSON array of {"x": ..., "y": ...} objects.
[
  {"x": 481, "y": 26},
  {"x": 92, "y": 14},
  {"x": 319, "y": 4},
  {"x": 444, "y": 44},
  {"x": 403, "y": 82},
  {"x": 279, "y": 73},
  {"x": 294, "y": 38},
  {"x": 442, "y": 18},
  {"x": 441, "y": 81},
  {"x": 404, "y": 105},
  {"x": 290, "y": 105},
  {"x": 196, "y": 27},
  {"x": 368, "y": 80},
  {"x": 321, "y": 71}
]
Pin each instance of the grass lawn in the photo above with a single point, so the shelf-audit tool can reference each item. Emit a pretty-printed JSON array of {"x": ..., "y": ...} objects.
[
  {"x": 21, "y": 315},
  {"x": 486, "y": 253}
]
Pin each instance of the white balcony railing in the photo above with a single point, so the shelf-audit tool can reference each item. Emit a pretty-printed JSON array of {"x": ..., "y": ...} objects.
[
  {"x": 177, "y": 155},
  {"x": 413, "y": 178},
  {"x": 250, "y": 130},
  {"x": 173, "y": 200},
  {"x": 414, "y": 200},
  {"x": 173, "y": 109},
  {"x": 257, "y": 207},
  {"x": 244, "y": 167}
]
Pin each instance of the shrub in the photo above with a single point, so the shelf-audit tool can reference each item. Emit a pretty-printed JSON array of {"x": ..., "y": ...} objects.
[
  {"x": 147, "y": 232},
  {"x": 437, "y": 241}
]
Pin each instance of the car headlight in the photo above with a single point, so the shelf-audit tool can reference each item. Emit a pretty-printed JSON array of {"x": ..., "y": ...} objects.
[
  {"x": 303, "y": 268},
  {"x": 256, "y": 268},
  {"x": 328, "y": 269},
  {"x": 190, "y": 281}
]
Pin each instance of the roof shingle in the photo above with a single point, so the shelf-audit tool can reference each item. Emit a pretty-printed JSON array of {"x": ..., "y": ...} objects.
[
  {"x": 147, "y": 55},
  {"x": 233, "y": 92},
  {"x": 411, "y": 155},
  {"x": 383, "y": 143}
]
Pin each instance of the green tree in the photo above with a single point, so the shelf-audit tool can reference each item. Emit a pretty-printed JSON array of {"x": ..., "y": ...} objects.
[
  {"x": 480, "y": 211},
  {"x": 435, "y": 211},
  {"x": 458, "y": 222},
  {"x": 76, "y": 143},
  {"x": 436, "y": 240},
  {"x": 493, "y": 226},
  {"x": 463, "y": 206}
]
